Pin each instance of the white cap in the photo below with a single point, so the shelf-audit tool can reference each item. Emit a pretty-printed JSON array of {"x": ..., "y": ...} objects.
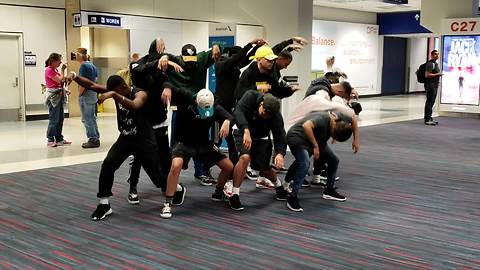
[{"x": 205, "y": 101}]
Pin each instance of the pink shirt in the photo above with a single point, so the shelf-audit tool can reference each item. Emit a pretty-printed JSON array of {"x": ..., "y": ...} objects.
[{"x": 49, "y": 73}]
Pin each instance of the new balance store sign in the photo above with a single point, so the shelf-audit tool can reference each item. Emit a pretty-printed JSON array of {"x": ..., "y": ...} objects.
[{"x": 105, "y": 20}]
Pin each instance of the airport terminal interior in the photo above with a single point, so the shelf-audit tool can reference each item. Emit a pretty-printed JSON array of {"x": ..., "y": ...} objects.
[{"x": 401, "y": 78}]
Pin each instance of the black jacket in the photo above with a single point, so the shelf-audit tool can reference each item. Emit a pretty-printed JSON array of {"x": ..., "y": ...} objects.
[
  {"x": 319, "y": 84},
  {"x": 246, "y": 116},
  {"x": 189, "y": 128},
  {"x": 227, "y": 72},
  {"x": 251, "y": 77},
  {"x": 276, "y": 50},
  {"x": 147, "y": 76}
]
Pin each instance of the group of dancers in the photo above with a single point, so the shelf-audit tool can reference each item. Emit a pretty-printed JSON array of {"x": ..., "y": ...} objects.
[{"x": 247, "y": 109}]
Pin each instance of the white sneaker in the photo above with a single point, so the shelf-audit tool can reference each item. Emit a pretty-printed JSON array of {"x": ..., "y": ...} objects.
[
  {"x": 318, "y": 180},
  {"x": 263, "y": 182},
  {"x": 288, "y": 186},
  {"x": 228, "y": 189},
  {"x": 166, "y": 211}
]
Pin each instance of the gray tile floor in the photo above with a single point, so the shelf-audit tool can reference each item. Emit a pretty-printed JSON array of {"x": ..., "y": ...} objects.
[{"x": 24, "y": 144}]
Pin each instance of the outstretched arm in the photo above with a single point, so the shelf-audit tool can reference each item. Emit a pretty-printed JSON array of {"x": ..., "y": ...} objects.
[
  {"x": 138, "y": 101},
  {"x": 308, "y": 128},
  {"x": 86, "y": 83},
  {"x": 356, "y": 135}
]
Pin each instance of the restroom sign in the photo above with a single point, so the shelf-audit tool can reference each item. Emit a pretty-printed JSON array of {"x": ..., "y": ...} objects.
[{"x": 106, "y": 20}]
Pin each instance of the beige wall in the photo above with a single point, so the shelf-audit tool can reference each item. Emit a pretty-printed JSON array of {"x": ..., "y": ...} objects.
[
  {"x": 434, "y": 11},
  {"x": 43, "y": 33},
  {"x": 38, "y": 3},
  {"x": 344, "y": 15},
  {"x": 280, "y": 24}
]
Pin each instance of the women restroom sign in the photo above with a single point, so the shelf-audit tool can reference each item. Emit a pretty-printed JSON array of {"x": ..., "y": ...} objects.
[{"x": 223, "y": 34}]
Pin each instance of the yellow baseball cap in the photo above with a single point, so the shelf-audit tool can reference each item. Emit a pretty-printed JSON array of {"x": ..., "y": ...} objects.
[{"x": 264, "y": 52}]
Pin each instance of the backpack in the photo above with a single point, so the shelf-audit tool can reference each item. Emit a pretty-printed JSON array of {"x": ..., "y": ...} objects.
[{"x": 421, "y": 73}]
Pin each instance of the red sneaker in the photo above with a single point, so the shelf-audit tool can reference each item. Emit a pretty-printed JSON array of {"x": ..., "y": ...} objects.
[
  {"x": 52, "y": 144},
  {"x": 64, "y": 142}
]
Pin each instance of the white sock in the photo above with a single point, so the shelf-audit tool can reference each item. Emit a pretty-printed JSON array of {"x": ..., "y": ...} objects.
[
  {"x": 104, "y": 201},
  {"x": 278, "y": 182},
  {"x": 179, "y": 187},
  {"x": 236, "y": 190}
]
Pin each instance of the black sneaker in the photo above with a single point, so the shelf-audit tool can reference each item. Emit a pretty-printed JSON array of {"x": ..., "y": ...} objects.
[
  {"x": 211, "y": 179},
  {"x": 166, "y": 211},
  {"x": 91, "y": 144},
  {"x": 305, "y": 183},
  {"x": 204, "y": 180},
  {"x": 293, "y": 204},
  {"x": 179, "y": 196},
  {"x": 323, "y": 175},
  {"x": 282, "y": 170},
  {"x": 281, "y": 193},
  {"x": 252, "y": 175},
  {"x": 133, "y": 198},
  {"x": 218, "y": 195},
  {"x": 102, "y": 211},
  {"x": 331, "y": 194},
  {"x": 430, "y": 123},
  {"x": 235, "y": 203}
]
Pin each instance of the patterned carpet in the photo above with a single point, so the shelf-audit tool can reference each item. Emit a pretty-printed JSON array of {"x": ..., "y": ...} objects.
[{"x": 413, "y": 203}]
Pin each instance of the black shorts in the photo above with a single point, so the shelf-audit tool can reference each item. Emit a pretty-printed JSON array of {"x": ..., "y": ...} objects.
[
  {"x": 260, "y": 152},
  {"x": 209, "y": 154}
]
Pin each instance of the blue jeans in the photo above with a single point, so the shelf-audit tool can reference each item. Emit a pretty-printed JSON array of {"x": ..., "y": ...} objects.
[
  {"x": 299, "y": 166},
  {"x": 89, "y": 119},
  {"x": 55, "y": 122}
]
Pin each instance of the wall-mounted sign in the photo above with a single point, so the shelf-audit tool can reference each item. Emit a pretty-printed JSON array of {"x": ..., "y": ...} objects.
[
  {"x": 355, "y": 47},
  {"x": 30, "y": 59},
  {"x": 462, "y": 26},
  {"x": 105, "y": 20},
  {"x": 77, "y": 20},
  {"x": 461, "y": 70},
  {"x": 388, "y": 23}
]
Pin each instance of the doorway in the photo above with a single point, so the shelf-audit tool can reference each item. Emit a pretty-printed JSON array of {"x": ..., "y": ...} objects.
[
  {"x": 110, "y": 49},
  {"x": 11, "y": 77},
  {"x": 394, "y": 66}
]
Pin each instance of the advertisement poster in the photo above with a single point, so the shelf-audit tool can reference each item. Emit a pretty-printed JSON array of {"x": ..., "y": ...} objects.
[
  {"x": 461, "y": 70},
  {"x": 355, "y": 48}
]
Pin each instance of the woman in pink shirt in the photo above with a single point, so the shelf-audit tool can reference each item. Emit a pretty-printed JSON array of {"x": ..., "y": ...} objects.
[{"x": 55, "y": 100}]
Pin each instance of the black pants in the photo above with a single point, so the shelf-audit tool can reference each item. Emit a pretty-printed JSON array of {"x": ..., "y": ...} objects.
[
  {"x": 144, "y": 147},
  {"x": 232, "y": 150},
  {"x": 164, "y": 155},
  {"x": 431, "y": 90}
]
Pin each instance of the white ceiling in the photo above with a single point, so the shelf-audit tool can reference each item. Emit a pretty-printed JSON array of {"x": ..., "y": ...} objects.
[{"x": 377, "y": 6}]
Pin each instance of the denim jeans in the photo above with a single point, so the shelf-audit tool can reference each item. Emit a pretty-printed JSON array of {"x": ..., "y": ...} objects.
[
  {"x": 332, "y": 161},
  {"x": 55, "y": 122},
  {"x": 299, "y": 167},
  {"x": 89, "y": 118}
]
